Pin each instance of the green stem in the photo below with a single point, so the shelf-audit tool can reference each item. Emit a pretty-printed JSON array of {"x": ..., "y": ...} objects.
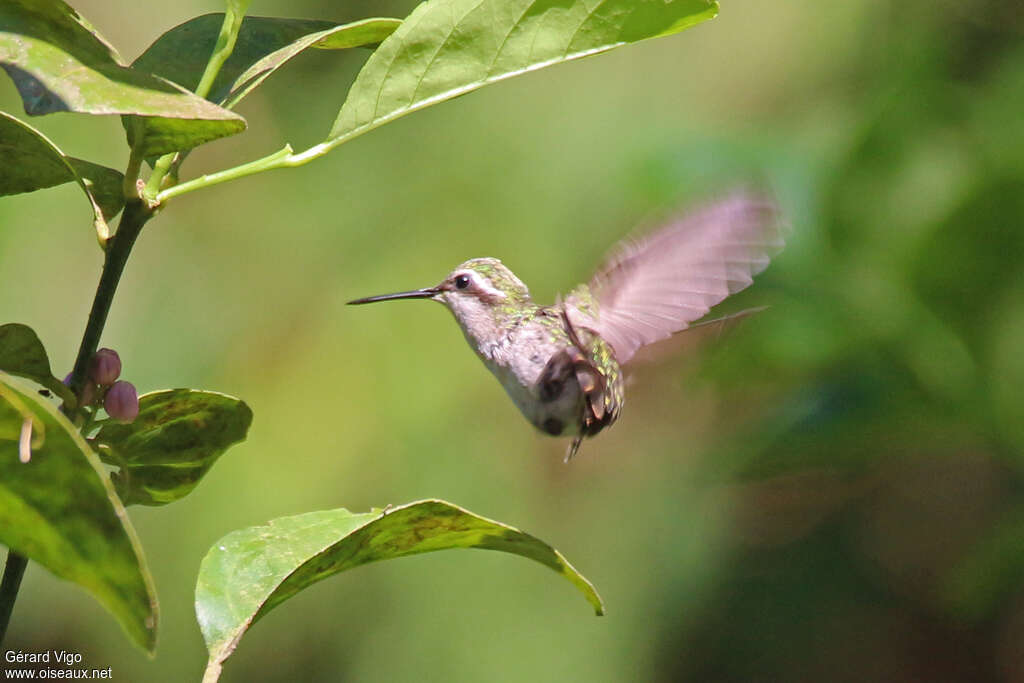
[
  {"x": 282, "y": 158},
  {"x": 221, "y": 50},
  {"x": 179, "y": 159},
  {"x": 212, "y": 673},
  {"x": 89, "y": 422},
  {"x": 160, "y": 168},
  {"x": 13, "y": 571},
  {"x": 131, "y": 175},
  {"x": 225, "y": 45}
]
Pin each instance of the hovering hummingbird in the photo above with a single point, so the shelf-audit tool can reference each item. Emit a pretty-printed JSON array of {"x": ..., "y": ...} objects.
[{"x": 561, "y": 364}]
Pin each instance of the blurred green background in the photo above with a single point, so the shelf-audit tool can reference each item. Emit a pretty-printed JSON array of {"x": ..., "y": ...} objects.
[{"x": 830, "y": 490}]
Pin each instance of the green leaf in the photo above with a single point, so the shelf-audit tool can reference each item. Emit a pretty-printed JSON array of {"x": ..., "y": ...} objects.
[
  {"x": 22, "y": 354},
  {"x": 357, "y": 34},
  {"x": 60, "y": 510},
  {"x": 29, "y": 162},
  {"x": 447, "y": 48},
  {"x": 174, "y": 441},
  {"x": 250, "y": 571},
  {"x": 162, "y": 135},
  {"x": 263, "y": 45},
  {"x": 11, "y": 419},
  {"x": 13, "y": 416},
  {"x": 59, "y": 63}
]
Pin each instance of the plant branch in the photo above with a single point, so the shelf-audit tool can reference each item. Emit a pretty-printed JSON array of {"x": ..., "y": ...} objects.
[
  {"x": 135, "y": 215},
  {"x": 221, "y": 50},
  {"x": 160, "y": 168},
  {"x": 282, "y": 158},
  {"x": 131, "y": 174},
  {"x": 13, "y": 571}
]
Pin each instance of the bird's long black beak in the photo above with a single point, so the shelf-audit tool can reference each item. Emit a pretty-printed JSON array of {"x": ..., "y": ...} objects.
[{"x": 414, "y": 294}]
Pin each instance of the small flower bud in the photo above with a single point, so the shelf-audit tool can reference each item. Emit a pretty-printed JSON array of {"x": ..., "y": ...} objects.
[
  {"x": 105, "y": 367},
  {"x": 122, "y": 402}
]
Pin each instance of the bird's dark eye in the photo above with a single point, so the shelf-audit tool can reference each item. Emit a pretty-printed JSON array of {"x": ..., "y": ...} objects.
[{"x": 461, "y": 282}]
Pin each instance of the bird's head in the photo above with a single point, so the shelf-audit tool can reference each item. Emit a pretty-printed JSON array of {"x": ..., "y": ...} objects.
[{"x": 481, "y": 293}]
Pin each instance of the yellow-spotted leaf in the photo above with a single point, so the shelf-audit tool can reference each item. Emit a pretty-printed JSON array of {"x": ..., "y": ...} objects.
[
  {"x": 251, "y": 571},
  {"x": 178, "y": 435},
  {"x": 59, "y": 510}
]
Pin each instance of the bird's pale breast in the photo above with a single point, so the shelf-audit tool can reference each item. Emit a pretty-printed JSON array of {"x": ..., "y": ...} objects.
[{"x": 518, "y": 360}]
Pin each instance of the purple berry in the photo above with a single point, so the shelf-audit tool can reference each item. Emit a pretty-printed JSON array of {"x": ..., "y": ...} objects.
[
  {"x": 122, "y": 402},
  {"x": 105, "y": 367}
]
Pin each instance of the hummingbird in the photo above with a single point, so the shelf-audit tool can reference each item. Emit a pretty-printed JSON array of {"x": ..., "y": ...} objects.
[{"x": 562, "y": 364}]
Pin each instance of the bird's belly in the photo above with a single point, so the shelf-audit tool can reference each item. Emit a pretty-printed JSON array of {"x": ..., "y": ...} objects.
[
  {"x": 520, "y": 375},
  {"x": 558, "y": 417}
]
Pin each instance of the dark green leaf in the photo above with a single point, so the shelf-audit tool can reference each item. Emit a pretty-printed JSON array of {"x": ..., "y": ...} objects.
[
  {"x": 22, "y": 354},
  {"x": 263, "y": 45},
  {"x": 60, "y": 510},
  {"x": 174, "y": 441},
  {"x": 163, "y": 135},
  {"x": 446, "y": 48},
  {"x": 29, "y": 161},
  {"x": 250, "y": 571},
  {"x": 357, "y": 34},
  {"x": 58, "y": 63}
]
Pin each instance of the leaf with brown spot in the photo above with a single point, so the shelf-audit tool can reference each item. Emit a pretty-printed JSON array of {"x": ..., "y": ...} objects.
[
  {"x": 250, "y": 571},
  {"x": 59, "y": 510},
  {"x": 172, "y": 444}
]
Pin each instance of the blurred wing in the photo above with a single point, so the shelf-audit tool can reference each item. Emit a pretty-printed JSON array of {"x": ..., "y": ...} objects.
[{"x": 659, "y": 284}]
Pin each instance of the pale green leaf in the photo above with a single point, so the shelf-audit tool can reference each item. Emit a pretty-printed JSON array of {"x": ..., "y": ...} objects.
[
  {"x": 447, "y": 48},
  {"x": 250, "y": 571}
]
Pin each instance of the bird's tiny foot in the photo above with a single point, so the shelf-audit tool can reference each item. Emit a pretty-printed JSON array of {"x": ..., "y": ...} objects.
[{"x": 574, "y": 448}]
